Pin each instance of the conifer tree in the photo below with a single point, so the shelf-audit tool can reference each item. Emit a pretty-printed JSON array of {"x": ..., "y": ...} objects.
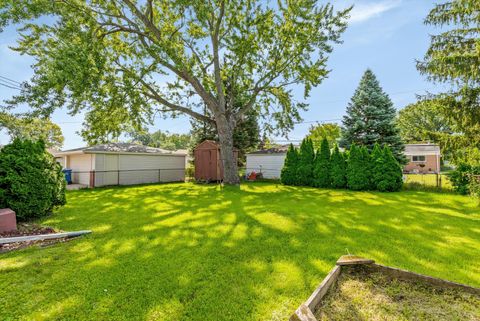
[
  {"x": 338, "y": 169},
  {"x": 321, "y": 172},
  {"x": 371, "y": 118},
  {"x": 390, "y": 176},
  {"x": 288, "y": 175},
  {"x": 306, "y": 157},
  {"x": 358, "y": 169},
  {"x": 378, "y": 166}
]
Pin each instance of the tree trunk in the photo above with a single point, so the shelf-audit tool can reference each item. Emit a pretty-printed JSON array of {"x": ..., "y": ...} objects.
[{"x": 225, "y": 135}]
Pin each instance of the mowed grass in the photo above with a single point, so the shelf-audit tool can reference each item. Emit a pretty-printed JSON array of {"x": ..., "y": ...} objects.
[{"x": 202, "y": 252}]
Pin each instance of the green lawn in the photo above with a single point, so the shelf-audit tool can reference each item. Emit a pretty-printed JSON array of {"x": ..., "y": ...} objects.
[{"x": 199, "y": 252}]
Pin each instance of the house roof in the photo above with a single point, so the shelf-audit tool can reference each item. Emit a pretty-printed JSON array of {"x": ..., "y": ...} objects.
[
  {"x": 269, "y": 151},
  {"x": 120, "y": 148},
  {"x": 422, "y": 149}
]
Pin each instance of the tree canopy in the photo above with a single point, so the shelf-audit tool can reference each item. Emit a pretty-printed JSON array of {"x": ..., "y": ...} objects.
[
  {"x": 453, "y": 58},
  {"x": 162, "y": 139},
  {"x": 125, "y": 61},
  {"x": 35, "y": 129},
  {"x": 330, "y": 131}
]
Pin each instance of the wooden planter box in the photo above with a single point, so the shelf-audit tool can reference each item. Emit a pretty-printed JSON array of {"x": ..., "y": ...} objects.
[{"x": 308, "y": 309}]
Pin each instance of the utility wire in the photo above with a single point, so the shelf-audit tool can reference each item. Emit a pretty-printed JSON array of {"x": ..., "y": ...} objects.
[
  {"x": 9, "y": 85},
  {"x": 11, "y": 80}
]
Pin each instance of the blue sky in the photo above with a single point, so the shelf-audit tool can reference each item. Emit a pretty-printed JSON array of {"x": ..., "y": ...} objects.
[{"x": 384, "y": 35}]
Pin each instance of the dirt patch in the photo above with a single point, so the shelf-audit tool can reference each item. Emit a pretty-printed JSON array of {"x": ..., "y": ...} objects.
[
  {"x": 26, "y": 229},
  {"x": 360, "y": 294}
]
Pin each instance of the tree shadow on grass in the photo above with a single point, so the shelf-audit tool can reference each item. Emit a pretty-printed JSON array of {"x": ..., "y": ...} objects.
[{"x": 190, "y": 252}]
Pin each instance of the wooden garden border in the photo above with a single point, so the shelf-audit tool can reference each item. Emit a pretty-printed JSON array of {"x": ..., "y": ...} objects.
[{"x": 306, "y": 310}]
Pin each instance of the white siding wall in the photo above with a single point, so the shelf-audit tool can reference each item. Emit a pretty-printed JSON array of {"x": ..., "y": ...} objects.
[
  {"x": 138, "y": 169},
  {"x": 269, "y": 164},
  {"x": 81, "y": 165}
]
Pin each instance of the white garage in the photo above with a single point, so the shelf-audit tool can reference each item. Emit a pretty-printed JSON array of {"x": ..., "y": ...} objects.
[
  {"x": 123, "y": 164},
  {"x": 269, "y": 162}
]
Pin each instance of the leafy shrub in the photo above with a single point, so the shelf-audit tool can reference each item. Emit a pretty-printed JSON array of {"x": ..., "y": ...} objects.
[
  {"x": 338, "y": 169},
  {"x": 288, "y": 175},
  {"x": 461, "y": 176},
  {"x": 306, "y": 157},
  {"x": 31, "y": 181},
  {"x": 321, "y": 172},
  {"x": 358, "y": 169}
]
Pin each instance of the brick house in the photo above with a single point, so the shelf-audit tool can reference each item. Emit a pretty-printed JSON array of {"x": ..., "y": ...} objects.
[{"x": 423, "y": 158}]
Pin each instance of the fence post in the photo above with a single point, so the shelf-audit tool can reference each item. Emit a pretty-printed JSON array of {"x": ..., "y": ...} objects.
[
  {"x": 92, "y": 179},
  {"x": 118, "y": 177},
  {"x": 159, "y": 175}
]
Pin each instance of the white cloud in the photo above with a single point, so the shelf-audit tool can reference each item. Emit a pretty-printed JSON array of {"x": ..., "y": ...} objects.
[{"x": 364, "y": 12}]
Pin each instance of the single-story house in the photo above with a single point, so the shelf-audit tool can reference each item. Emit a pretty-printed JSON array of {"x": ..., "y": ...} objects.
[
  {"x": 269, "y": 162},
  {"x": 122, "y": 164},
  {"x": 423, "y": 158}
]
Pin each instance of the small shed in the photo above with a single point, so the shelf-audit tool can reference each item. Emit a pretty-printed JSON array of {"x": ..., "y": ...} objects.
[
  {"x": 269, "y": 162},
  {"x": 208, "y": 161}
]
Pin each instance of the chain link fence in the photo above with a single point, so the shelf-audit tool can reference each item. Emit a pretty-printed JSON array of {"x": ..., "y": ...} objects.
[{"x": 427, "y": 181}]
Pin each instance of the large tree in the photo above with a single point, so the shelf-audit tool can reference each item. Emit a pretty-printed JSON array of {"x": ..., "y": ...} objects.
[
  {"x": 126, "y": 60},
  {"x": 371, "y": 118},
  {"x": 35, "y": 129},
  {"x": 162, "y": 139},
  {"x": 453, "y": 58}
]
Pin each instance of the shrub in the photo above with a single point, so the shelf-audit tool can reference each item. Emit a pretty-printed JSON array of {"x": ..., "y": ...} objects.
[
  {"x": 288, "y": 175},
  {"x": 321, "y": 172},
  {"x": 358, "y": 169},
  {"x": 306, "y": 157},
  {"x": 31, "y": 181},
  {"x": 338, "y": 169},
  {"x": 387, "y": 172},
  {"x": 461, "y": 176}
]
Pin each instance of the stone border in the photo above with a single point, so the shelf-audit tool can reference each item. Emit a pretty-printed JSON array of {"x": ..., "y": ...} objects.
[
  {"x": 41, "y": 237},
  {"x": 306, "y": 310}
]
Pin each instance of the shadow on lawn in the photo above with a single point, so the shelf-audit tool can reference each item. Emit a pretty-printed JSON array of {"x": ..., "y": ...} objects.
[{"x": 189, "y": 252}]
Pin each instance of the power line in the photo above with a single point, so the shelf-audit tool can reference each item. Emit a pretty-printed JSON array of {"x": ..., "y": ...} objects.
[
  {"x": 11, "y": 80},
  {"x": 9, "y": 85}
]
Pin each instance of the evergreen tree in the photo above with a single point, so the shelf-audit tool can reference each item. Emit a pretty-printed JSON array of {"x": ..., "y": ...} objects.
[
  {"x": 371, "y": 118},
  {"x": 391, "y": 173},
  {"x": 338, "y": 169},
  {"x": 306, "y": 159},
  {"x": 288, "y": 175},
  {"x": 358, "y": 168},
  {"x": 378, "y": 166},
  {"x": 321, "y": 172}
]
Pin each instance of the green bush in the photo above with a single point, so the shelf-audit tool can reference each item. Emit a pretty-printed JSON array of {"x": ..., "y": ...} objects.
[
  {"x": 338, "y": 169},
  {"x": 461, "y": 177},
  {"x": 321, "y": 172},
  {"x": 31, "y": 181},
  {"x": 387, "y": 172},
  {"x": 306, "y": 157},
  {"x": 288, "y": 175},
  {"x": 358, "y": 169}
]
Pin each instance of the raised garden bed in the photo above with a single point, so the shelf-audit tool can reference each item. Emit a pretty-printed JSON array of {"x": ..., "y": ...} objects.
[
  {"x": 359, "y": 289},
  {"x": 32, "y": 234}
]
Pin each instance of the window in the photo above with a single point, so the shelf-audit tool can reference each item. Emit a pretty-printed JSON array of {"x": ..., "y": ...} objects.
[{"x": 418, "y": 158}]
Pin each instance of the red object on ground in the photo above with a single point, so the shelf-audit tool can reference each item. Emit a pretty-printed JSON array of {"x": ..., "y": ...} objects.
[
  {"x": 8, "y": 220},
  {"x": 252, "y": 176}
]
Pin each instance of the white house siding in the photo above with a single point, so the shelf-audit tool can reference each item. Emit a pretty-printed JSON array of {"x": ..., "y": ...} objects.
[
  {"x": 129, "y": 169},
  {"x": 270, "y": 165},
  {"x": 81, "y": 165}
]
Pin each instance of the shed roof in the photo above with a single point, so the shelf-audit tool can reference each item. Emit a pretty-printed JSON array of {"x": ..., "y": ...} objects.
[
  {"x": 120, "y": 148},
  {"x": 270, "y": 151}
]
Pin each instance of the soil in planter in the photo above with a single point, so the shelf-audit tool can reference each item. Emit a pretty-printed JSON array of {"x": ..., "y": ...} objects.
[
  {"x": 26, "y": 229},
  {"x": 363, "y": 295}
]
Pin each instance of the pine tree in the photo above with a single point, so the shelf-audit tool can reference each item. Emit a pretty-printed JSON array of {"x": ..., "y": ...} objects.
[
  {"x": 321, "y": 172},
  {"x": 371, "y": 119},
  {"x": 358, "y": 168},
  {"x": 378, "y": 167},
  {"x": 391, "y": 173},
  {"x": 288, "y": 175},
  {"x": 338, "y": 169},
  {"x": 306, "y": 159}
]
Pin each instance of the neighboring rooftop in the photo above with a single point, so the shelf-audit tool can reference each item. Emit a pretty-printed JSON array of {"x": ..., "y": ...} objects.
[
  {"x": 274, "y": 150},
  {"x": 433, "y": 149},
  {"x": 122, "y": 148}
]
